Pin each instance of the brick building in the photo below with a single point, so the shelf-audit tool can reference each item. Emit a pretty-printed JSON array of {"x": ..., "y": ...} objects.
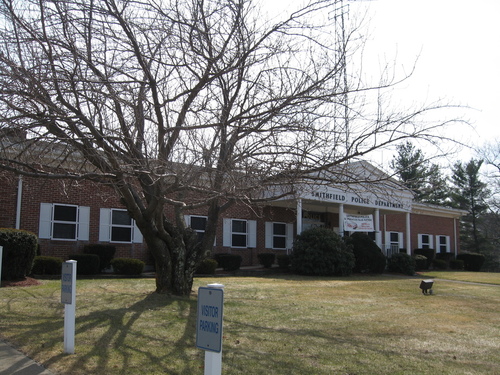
[{"x": 66, "y": 215}]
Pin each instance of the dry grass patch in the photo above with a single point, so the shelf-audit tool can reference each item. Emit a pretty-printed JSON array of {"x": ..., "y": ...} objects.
[{"x": 272, "y": 325}]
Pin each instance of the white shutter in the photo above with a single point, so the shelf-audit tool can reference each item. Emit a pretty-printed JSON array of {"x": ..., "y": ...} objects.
[
  {"x": 105, "y": 225},
  {"x": 400, "y": 239},
  {"x": 83, "y": 223},
  {"x": 187, "y": 219},
  {"x": 431, "y": 242},
  {"x": 252, "y": 233},
  {"x": 136, "y": 234},
  {"x": 387, "y": 240},
  {"x": 448, "y": 244},
  {"x": 226, "y": 235},
  {"x": 269, "y": 235},
  {"x": 419, "y": 245},
  {"x": 45, "y": 224},
  {"x": 289, "y": 235}
]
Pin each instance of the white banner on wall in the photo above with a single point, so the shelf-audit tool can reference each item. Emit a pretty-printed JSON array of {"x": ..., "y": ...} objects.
[{"x": 358, "y": 223}]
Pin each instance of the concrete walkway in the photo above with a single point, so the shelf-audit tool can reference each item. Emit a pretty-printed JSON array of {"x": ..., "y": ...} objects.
[{"x": 13, "y": 362}]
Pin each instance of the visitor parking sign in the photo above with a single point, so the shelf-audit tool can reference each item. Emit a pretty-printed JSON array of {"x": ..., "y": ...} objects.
[{"x": 209, "y": 319}]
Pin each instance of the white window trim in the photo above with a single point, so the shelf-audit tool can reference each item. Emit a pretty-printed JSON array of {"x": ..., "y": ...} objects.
[
  {"x": 438, "y": 244},
  {"x": 105, "y": 225},
  {"x": 270, "y": 235},
  {"x": 421, "y": 242},
  {"x": 46, "y": 223},
  {"x": 187, "y": 218},
  {"x": 388, "y": 242},
  {"x": 251, "y": 233}
]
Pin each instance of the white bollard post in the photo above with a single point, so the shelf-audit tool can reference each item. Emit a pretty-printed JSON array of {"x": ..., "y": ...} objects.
[
  {"x": 1, "y": 254},
  {"x": 68, "y": 297},
  {"x": 213, "y": 360}
]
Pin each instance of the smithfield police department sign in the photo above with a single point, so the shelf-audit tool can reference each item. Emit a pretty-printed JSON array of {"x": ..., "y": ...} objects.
[{"x": 209, "y": 319}]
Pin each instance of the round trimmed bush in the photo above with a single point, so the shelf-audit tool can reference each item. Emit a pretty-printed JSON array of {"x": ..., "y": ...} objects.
[
  {"x": 45, "y": 265},
  {"x": 127, "y": 266},
  {"x": 229, "y": 262},
  {"x": 207, "y": 267},
  {"x": 369, "y": 257},
  {"x": 104, "y": 252},
  {"x": 266, "y": 259},
  {"x": 430, "y": 254},
  {"x": 320, "y": 251},
  {"x": 19, "y": 250},
  {"x": 401, "y": 263},
  {"x": 86, "y": 264},
  {"x": 283, "y": 260},
  {"x": 420, "y": 262}
]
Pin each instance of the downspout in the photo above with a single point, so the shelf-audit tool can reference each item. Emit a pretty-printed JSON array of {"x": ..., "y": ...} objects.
[{"x": 19, "y": 201}]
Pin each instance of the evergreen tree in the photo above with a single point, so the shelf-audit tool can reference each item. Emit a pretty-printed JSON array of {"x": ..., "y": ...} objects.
[
  {"x": 470, "y": 193},
  {"x": 417, "y": 174}
]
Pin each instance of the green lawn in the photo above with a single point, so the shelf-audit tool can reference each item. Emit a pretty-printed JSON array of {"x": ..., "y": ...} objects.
[{"x": 273, "y": 325}]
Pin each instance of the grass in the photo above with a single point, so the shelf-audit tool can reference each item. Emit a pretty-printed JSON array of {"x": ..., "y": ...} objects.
[
  {"x": 272, "y": 325},
  {"x": 473, "y": 277}
]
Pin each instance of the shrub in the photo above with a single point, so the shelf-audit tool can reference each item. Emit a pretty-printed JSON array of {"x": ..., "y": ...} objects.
[
  {"x": 127, "y": 266},
  {"x": 104, "y": 252},
  {"x": 319, "y": 251},
  {"x": 45, "y": 265},
  {"x": 440, "y": 264},
  {"x": 420, "y": 262},
  {"x": 229, "y": 262},
  {"x": 19, "y": 249},
  {"x": 207, "y": 267},
  {"x": 283, "y": 260},
  {"x": 429, "y": 254},
  {"x": 401, "y": 263},
  {"x": 266, "y": 259},
  {"x": 368, "y": 256},
  {"x": 86, "y": 264},
  {"x": 472, "y": 261},
  {"x": 457, "y": 264}
]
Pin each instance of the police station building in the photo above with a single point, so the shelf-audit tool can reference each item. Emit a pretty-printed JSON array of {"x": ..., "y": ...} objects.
[{"x": 66, "y": 215}]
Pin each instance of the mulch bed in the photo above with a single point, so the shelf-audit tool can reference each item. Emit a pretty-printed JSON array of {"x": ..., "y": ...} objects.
[{"x": 28, "y": 281}]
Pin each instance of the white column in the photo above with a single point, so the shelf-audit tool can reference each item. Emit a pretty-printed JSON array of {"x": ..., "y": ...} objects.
[
  {"x": 378, "y": 233},
  {"x": 19, "y": 201},
  {"x": 341, "y": 220},
  {"x": 299, "y": 216},
  {"x": 455, "y": 239},
  {"x": 408, "y": 234}
]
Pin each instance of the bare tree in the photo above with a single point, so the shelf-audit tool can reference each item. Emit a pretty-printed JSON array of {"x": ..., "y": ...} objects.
[{"x": 184, "y": 104}]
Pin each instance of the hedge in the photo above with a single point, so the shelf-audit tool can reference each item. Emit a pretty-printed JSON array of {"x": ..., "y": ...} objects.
[
  {"x": 228, "y": 262},
  {"x": 207, "y": 267},
  {"x": 127, "y": 266},
  {"x": 45, "y": 265},
  {"x": 430, "y": 254},
  {"x": 472, "y": 261},
  {"x": 104, "y": 252},
  {"x": 19, "y": 250},
  {"x": 266, "y": 259},
  {"x": 369, "y": 257},
  {"x": 86, "y": 264},
  {"x": 401, "y": 263}
]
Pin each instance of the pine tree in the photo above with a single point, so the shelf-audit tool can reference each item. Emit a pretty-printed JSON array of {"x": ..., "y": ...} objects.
[
  {"x": 470, "y": 193},
  {"x": 417, "y": 174}
]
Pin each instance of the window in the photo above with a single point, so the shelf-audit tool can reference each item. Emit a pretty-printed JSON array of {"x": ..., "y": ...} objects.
[
  {"x": 64, "y": 222},
  {"x": 116, "y": 225},
  {"x": 443, "y": 244},
  {"x": 279, "y": 235},
  {"x": 198, "y": 223},
  {"x": 240, "y": 233},
  {"x": 393, "y": 242},
  {"x": 121, "y": 226},
  {"x": 425, "y": 241}
]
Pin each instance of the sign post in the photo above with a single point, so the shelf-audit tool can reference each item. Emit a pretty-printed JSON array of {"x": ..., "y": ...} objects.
[
  {"x": 209, "y": 326},
  {"x": 68, "y": 297},
  {"x": 1, "y": 255}
]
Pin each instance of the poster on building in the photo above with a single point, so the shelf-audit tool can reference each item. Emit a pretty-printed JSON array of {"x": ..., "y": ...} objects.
[{"x": 358, "y": 223}]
